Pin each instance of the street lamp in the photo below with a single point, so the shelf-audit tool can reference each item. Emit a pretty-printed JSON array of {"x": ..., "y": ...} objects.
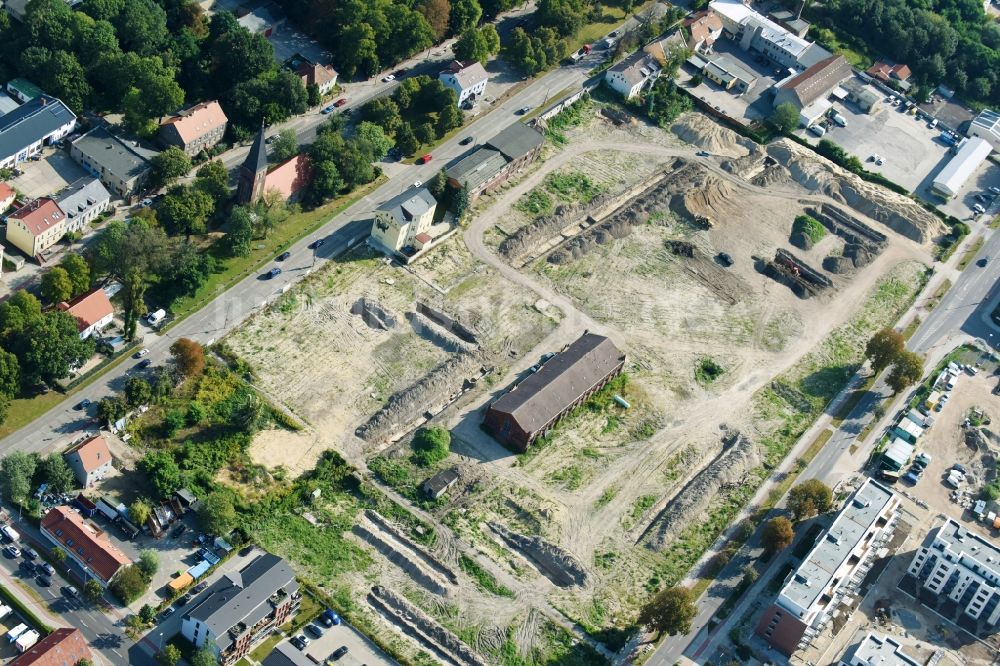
[{"x": 161, "y": 642}]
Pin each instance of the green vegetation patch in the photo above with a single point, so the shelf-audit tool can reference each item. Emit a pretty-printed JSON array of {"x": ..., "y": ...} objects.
[
  {"x": 573, "y": 186},
  {"x": 536, "y": 202},
  {"x": 483, "y": 577},
  {"x": 707, "y": 370},
  {"x": 809, "y": 226}
]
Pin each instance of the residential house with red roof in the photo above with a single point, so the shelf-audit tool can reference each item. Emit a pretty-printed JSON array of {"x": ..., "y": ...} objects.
[
  {"x": 36, "y": 226},
  {"x": 7, "y": 196},
  {"x": 93, "y": 312},
  {"x": 84, "y": 543},
  {"x": 323, "y": 77},
  {"x": 196, "y": 129},
  {"x": 703, "y": 29},
  {"x": 90, "y": 460},
  {"x": 65, "y": 646},
  {"x": 884, "y": 71}
]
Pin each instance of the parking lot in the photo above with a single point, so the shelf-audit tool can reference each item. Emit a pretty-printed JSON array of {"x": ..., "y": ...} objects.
[
  {"x": 753, "y": 105},
  {"x": 360, "y": 649},
  {"x": 46, "y": 176}
]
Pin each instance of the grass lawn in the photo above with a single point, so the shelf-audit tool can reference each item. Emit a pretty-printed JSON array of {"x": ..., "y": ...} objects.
[
  {"x": 237, "y": 268},
  {"x": 611, "y": 18},
  {"x": 970, "y": 254},
  {"x": 261, "y": 651}
]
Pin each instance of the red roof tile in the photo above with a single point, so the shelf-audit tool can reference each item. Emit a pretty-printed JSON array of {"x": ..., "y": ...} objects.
[
  {"x": 289, "y": 177},
  {"x": 86, "y": 541},
  {"x": 39, "y": 215},
  {"x": 197, "y": 121},
  {"x": 63, "y": 647},
  {"x": 93, "y": 452},
  {"x": 89, "y": 308}
]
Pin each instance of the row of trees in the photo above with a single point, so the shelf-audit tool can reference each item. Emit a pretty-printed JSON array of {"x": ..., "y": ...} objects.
[
  {"x": 950, "y": 41},
  {"x": 887, "y": 348},
  {"x": 421, "y": 110},
  {"x": 21, "y": 473},
  {"x": 367, "y": 37}
]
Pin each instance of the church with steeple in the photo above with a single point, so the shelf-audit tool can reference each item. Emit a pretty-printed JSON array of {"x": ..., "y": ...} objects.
[{"x": 289, "y": 179}]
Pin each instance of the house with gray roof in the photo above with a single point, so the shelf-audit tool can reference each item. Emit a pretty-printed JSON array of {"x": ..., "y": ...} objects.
[
  {"x": 632, "y": 74},
  {"x": 81, "y": 202},
  {"x": 400, "y": 220},
  {"x": 123, "y": 166},
  {"x": 563, "y": 382},
  {"x": 468, "y": 80},
  {"x": 242, "y": 608},
  {"x": 38, "y": 122},
  {"x": 491, "y": 165}
]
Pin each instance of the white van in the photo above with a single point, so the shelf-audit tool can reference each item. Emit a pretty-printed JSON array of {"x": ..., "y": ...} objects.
[
  {"x": 818, "y": 130},
  {"x": 10, "y": 533},
  {"x": 840, "y": 120},
  {"x": 155, "y": 318},
  {"x": 15, "y": 632}
]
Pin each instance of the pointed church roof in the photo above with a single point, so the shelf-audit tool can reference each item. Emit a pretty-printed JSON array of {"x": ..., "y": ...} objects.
[{"x": 257, "y": 157}]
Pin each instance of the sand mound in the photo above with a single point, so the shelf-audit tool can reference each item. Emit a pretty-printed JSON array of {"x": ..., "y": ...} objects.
[
  {"x": 898, "y": 212},
  {"x": 700, "y": 130}
]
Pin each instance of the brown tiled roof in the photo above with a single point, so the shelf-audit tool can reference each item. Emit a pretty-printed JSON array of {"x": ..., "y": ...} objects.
[
  {"x": 703, "y": 24},
  {"x": 6, "y": 191},
  {"x": 560, "y": 381},
  {"x": 63, "y": 647},
  {"x": 317, "y": 74},
  {"x": 819, "y": 79},
  {"x": 93, "y": 452},
  {"x": 39, "y": 215},
  {"x": 89, "y": 308},
  {"x": 197, "y": 121},
  {"x": 289, "y": 177},
  {"x": 86, "y": 541}
]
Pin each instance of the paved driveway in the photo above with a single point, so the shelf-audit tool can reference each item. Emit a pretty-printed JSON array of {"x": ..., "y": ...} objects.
[{"x": 360, "y": 649}]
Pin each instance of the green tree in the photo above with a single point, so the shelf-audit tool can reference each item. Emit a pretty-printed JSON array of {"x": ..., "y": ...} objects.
[
  {"x": 111, "y": 409},
  {"x": 313, "y": 95},
  {"x": 149, "y": 562},
  {"x": 92, "y": 591},
  {"x": 137, "y": 392},
  {"x": 10, "y": 374},
  {"x": 465, "y": 14},
  {"x": 16, "y": 470},
  {"x": 147, "y": 614},
  {"x": 49, "y": 346},
  {"x": 57, "y": 473},
  {"x": 216, "y": 514},
  {"x": 809, "y": 498},
  {"x": 472, "y": 46},
  {"x": 461, "y": 202},
  {"x": 884, "y": 348},
  {"x": 185, "y": 209},
  {"x": 326, "y": 184},
  {"x": 213, "y": 179},
  {"x": 907, "y": 369},
  {"x": 750, "y": 576},
  {"x": 284, "y": 145},
  {"x": 239, "y": 237},
  {"x": 140, "y": 511},
  {"x": 376, "y": 137},
  {"x": 128, "y": 584},
  {"x": 777, "y": 534},
  {"x": 57, "y": 555},
  {"x": 56, "y": 285},
  {"x": 162, "y": 471},
  {"x": 170, "y": 655},
  {"x": 785, "y": 118},
  {"x": 670, "y": 611},
  {"x": 449, "y": 118},
  {"x": 406, "y": 140},
  {"x": 168, "y": 166},
  {"x": 431, "y": 446},
  {"x": 436, "y": 13},
  {"x": 78, "y": 270},
  {"x": 204, "y": 656},
  {"x": 565, "y": 16}
]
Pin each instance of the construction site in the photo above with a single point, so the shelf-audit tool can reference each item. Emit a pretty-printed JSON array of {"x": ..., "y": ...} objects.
[{"x": 737, "y": 332}]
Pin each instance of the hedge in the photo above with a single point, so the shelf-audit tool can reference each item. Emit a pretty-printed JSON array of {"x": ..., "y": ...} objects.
[{"x": 25, "y": 612}]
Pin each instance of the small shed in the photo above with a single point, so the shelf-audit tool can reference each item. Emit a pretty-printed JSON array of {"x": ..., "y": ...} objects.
[
  {"x": 199, "y": 570},
  {"x": 440, "y": 483},
  {"x": 179, "y": 583},
  {"x": 186, "y": 499}
]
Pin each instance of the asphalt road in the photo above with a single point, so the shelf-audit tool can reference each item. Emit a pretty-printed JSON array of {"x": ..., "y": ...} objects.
[{"x": 961, "y": 314}]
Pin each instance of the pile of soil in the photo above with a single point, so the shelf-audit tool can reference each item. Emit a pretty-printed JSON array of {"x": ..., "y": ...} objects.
[
  {"x": 556, "y": 564},
  {"x": 898, "y": 212},
  {"x": 692, "y": 502},
  {"x": 702, "y": 131}
]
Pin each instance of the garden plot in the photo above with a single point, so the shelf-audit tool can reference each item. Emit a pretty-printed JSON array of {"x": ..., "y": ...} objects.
[{"x": 336, "y": 348}]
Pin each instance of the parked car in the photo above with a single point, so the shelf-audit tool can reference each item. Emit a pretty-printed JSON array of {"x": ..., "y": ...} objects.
[
  {"x": 178, "y": 531},
  {"x": 29, "y": 553},
  {"x": 400, "y": 72},
  {"x": 143, "y": 364},
  {"x": 317, "y": 243},
  {"x": 388, "y": 77},
  {"x": 702, "y": 153},
  {"x": 200, "y": 587},
  {"x": 48, "y": 569},
  {"x": 314, "y": 630},
  {"x": 725, "y": 259},
  {"x": 305, "y": 639},
  {"x": 330, "y": 618},
  {"x": 12, "y": 551},
  {"x": 340, "y": 102},
  {"x": 273, "y": 273},
  {"x": 183, "y": 601},
  {"x": 328, "y": 110},
  {"x": 283, "y": 256},
  {"x": 995, "y": 190},
  {"x": 426, "y": 158},
  {"x": 83, "y": 404},
  {"x": 466, "y": 141},
  {"x": 167, "y": 613},
  {"x": 910, "y": 478},
  {"x": 69, "y": 591},
  {"x": 982, "y": 262},
  {"x": 978, "y": 209},
  {"x": 142, "y": 352},
  {"x": 43, "y": 581},
  {"x": 340, "y": 652},
  {"x": 523, "y": 110},
  {"x": 297, "y": 643},
  {"x": 28, "y": 567},
  {"x": 959, "y": 468}
]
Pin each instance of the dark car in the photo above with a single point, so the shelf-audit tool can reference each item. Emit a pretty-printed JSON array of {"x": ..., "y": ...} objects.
[
  {"x": 297, "y": 643},
  {"x": 185, "y": 599},
  {"x": 199, "y": 587},
  {"x": 83, "y": 404},
  {"x": 314, "y": 630},
  {"x": 28, "y": 567},
  {"x": 702, "y": 153},
  {"x": 167, "y": 613},
  {"x": 283, "y": 256},
  {"x": 467, "y": 140},
  {"x": 178, "y": 531},
  {"x": 982, "y": 262},
  {"x": 44, "y": 581},
  {"x": 69, "y": 591},
  {"x": 273, "y": 273},
  {"x": 29, "y": 554},
  {"x": 400, "y": 72},
  {"x": 143, "y": 364},
  {"x": 340, "y": 652},
  {"x": 725, "y": 259},
  {"x": 317, "y": 243}
]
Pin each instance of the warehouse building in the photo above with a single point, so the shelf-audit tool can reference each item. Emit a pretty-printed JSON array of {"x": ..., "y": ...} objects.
[
  {"x": 987, "y": 126},
  {"x": 957, "y": 171},
  {"x": 564, "y": 381}
]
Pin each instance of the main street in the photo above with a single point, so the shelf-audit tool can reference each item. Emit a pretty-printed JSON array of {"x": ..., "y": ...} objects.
[{"x": 962, "y": 315}]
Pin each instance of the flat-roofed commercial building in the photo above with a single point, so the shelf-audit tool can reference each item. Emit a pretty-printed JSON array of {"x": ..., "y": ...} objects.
[{"x": 960, "y": 168}]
